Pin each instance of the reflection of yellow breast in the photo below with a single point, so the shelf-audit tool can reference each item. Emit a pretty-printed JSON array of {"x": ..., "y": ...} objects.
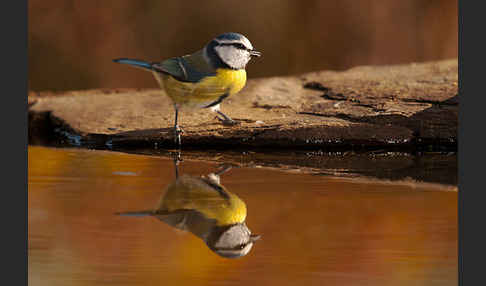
[
  {"x": 207, "y": 90},
  {"x": 192, "y": 193}
]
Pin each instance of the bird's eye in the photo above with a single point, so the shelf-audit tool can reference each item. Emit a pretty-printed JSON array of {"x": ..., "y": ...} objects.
[{"x": 240, "y": 46}]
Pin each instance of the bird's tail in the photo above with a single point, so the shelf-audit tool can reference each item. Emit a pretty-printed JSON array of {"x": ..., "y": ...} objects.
[
  {"x": 135, "y": 63},
  {"x": 136, "y": 214}
]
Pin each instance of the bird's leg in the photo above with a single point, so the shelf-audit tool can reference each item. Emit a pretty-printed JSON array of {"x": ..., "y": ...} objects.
[
  {"x": 225, "y": 119},
  {"x": 215, "y": 177},
  {"x": 176, "y": 157},
  {"x": 177, "y": 130},
  {"x": 224, "y": 168}
]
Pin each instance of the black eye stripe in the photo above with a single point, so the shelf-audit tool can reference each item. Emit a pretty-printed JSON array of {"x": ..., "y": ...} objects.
[
  {"x": 236, "y": 45},
  {"x": 241, "y": 246}
]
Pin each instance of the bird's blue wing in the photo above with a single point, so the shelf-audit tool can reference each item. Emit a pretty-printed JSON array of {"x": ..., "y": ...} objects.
[{"x": 190, "y": 68}]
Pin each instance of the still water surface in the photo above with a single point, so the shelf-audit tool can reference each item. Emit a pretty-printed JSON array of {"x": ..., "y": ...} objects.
[{"x": 315, "y": 230}]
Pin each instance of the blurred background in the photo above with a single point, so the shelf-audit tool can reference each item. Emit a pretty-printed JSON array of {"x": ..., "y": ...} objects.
[{"x": 72, "y": 43}]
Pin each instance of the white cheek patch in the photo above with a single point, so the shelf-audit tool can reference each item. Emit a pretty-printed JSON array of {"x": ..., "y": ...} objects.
[
  {"x": 224, "y": 52},
  {"x": 233, "y": 57}
]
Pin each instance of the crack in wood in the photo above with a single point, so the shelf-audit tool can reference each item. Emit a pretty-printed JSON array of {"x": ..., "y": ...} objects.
[{"x": 268, "y": 106}]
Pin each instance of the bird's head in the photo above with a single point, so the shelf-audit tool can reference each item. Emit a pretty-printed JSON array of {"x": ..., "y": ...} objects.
[
  {"x": 230, "y": 50},
  {"x": 232, "y": 241}
]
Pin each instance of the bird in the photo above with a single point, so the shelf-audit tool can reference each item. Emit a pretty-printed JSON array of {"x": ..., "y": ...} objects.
[
  {"x": 202, "y": 206},
  {"x": 204, "y": 78}
]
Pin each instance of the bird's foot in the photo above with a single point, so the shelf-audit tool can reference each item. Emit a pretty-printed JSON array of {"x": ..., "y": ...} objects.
[
  {"x": 225, "y": 119},
  {"x": 228, "y": 121},
  {"x": 178, "y": 131},
  {"x": 176, "y": 157}
]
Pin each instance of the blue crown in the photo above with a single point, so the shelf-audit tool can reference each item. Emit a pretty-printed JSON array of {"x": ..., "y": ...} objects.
[{"x": 230, "y": 36}]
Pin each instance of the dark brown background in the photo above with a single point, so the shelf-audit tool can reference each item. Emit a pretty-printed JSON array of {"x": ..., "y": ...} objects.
[{"x": 72, "y": 43}]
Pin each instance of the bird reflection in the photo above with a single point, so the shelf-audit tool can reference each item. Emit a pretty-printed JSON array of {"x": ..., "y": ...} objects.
[{"x": 202, "y": 206}]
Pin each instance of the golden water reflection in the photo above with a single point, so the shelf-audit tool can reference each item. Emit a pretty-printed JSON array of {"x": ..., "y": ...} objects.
[
  {"x": 315, "y": 230},
  {"x": 202, "y": 206}
]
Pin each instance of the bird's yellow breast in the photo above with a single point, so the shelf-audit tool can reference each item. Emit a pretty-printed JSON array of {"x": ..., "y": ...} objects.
[
  {"x": 193, "y": 194},
  {"x": 206, "y": 91},
  {"x": 233, "y": 80}
]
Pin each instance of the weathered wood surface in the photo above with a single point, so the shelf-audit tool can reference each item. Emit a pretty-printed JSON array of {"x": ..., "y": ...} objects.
[{"x": 370, "y": 106}]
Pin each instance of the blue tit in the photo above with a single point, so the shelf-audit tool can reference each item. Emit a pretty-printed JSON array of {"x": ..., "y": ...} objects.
[
  {"x": 205, "y": 78},
  {"x": 202, "y": 206}
]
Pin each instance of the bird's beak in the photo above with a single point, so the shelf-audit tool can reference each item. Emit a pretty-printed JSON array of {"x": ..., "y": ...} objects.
[{"x": 255, "y": 53}]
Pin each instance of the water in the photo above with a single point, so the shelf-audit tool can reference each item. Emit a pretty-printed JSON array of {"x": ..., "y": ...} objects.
[{"x": 314, "y": 229}]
